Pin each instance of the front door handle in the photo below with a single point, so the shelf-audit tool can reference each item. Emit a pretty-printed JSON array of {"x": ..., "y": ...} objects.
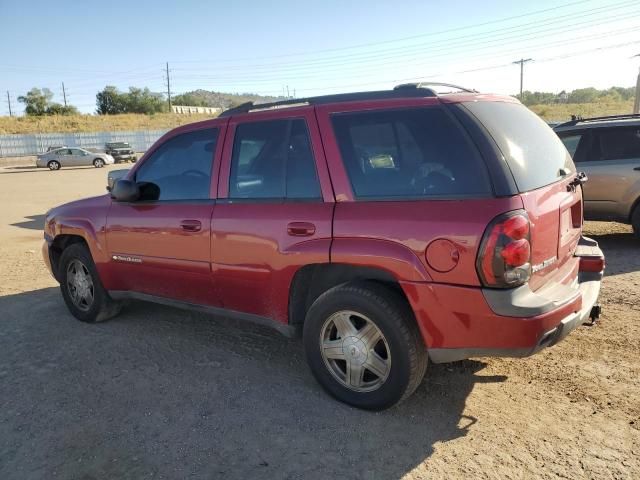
[
  {"x": 637, "y": 168},
  {"x": 191, "y": 225},
  {"x": 301, "y": 229}
]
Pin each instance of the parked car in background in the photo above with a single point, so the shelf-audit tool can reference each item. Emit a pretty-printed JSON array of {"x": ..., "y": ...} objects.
[
  {"x": 72, "y": 157},
  {"x": 120, "y": 151},
  {"x": 390, "y": 228},
  {"x": 607, "y": 149}
]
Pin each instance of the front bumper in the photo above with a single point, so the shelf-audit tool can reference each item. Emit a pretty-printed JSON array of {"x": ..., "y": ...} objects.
[
  {"x": 463, "y": 322},
  {"x": 46, "y": 253}
]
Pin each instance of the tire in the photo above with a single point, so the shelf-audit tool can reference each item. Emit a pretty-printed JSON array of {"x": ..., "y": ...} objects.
[
  {"x": 635, "y": 221},
  {"x": 397, "y": 354},
  {"x": 98, "y": 163},
  {"x": 54, "y": 165},
  {"x": 97, "y": 305}
]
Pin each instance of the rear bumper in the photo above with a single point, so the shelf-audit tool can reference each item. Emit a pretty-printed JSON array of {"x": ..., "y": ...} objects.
[{"x": 464, "y": 322}]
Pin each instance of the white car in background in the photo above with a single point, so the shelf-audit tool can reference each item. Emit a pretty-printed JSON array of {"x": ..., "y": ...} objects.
[{"x": 72, "y": 157}]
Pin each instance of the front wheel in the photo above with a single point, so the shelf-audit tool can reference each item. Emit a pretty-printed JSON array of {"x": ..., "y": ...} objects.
[
  {"x": 363, "y": 345},
  {"x": 82, "y": 290},
  {"x": 98, "y": 163}
]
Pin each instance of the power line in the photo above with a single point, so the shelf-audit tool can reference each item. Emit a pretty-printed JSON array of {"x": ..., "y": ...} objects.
[
  {"x": 446, "y": 51},
  {"x": 490, "y": 55},
  {"x": 383, "y": 42},
  {"x": 510, "y": 34}
]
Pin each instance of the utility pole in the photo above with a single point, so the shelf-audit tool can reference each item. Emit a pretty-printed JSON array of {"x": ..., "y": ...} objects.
[
  {"x": 9, "y": 103},
  {"x": 168, "y": 87},
  {"x": 64, "y": 95},
  {"x": 522, "y": 61},
  {"x": 636, "y": 103},
  {"x": 288, "y": 92}
]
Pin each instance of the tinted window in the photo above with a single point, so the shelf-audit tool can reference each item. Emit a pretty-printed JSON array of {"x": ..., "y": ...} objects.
[
  {"x": 408, "y": 153},
  {"x": 617, "y": 143},
  {"x": 180, "y": 169},
  {"x": 571, "y": 143},
  {"x": 534, "y": 153},
  {"x": 273, "y": 159}
]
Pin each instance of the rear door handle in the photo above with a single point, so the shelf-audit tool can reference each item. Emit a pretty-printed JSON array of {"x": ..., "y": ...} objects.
[
  {"x": 191, "y": 225},
  {"x": 301, "y": 229},
  {"x": 637, "y": 168}
]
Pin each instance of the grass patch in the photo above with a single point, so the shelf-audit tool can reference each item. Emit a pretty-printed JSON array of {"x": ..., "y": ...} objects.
[{"x": 95, "y": 123}]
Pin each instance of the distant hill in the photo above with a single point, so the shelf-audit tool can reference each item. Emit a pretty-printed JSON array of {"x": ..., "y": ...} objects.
[{"x": 206, "y": 98}]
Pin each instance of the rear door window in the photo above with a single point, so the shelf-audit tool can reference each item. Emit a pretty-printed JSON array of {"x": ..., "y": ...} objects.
[
  {"x": 420, "y": 152},
  {"x": 534, "y": 153},
  {"x": 617, "y": 143},
  {"x": 273, "y": 160}
]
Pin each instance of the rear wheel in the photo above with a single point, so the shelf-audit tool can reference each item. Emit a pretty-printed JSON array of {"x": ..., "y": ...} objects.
[
  {"x": 53, "y": 165},
  {"x": 363, "y": 345},
  {"x": 86, "y": 298},
  {"x": 98, "y": 163},
  {"x": 635, "y": 221}
]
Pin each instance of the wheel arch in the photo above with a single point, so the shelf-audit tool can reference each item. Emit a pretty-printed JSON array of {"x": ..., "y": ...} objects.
[
  {"x": 58, "y": 245},
  {"x": 311, "y": 281}
]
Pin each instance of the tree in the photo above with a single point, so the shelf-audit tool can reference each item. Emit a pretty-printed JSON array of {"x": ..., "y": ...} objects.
[
  {"x": 142, "y": 100},
  {"x": 37, "y": 101},
  {"x": 108, "y": 101},
  {"x": 58, "y": 109},
  {"x": 111, "y": 101}
]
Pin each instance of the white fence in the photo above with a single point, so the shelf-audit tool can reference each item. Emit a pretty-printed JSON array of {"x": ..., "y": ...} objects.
[{"x": 24, "y": 145}]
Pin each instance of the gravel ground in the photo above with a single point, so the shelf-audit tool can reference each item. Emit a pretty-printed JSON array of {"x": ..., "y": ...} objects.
[{"x": 163, "y": 393}]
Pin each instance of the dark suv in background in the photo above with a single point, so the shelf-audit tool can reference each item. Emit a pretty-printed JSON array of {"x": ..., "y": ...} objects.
[
  {"x": 390, "y": 228},
  {"x": 120, "y": 151}
]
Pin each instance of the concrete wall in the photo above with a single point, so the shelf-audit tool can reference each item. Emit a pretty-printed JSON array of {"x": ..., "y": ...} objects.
[{"x": 24, "y": 145}]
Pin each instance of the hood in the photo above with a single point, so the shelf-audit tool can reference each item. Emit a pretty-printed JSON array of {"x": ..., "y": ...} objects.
[{"x": 75, "y": 207}]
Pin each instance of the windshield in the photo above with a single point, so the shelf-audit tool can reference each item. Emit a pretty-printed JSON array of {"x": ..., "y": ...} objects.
[{"x": 533, "y": 151}]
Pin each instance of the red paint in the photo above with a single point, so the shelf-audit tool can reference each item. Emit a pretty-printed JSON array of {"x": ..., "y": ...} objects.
[{"x": 243, "y": 256}]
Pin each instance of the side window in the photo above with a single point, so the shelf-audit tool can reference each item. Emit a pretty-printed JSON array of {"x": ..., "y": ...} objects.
[
  {"x": 618, "y": 143},
  {"x": 273, "y": 159},
  {"x": 180, "y": 169},
  {"x": 571, "y": 142},
  {"x": 579, "y": 144},
  {"x": 408, "y": 153}
]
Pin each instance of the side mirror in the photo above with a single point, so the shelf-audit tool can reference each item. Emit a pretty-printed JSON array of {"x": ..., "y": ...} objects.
[
  {"x": 125, "y": 191},
  {"x": 115, "y": 175}
]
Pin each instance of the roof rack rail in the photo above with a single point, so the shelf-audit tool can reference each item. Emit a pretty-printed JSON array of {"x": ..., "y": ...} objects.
[
  {"x": 427, "y": 85},
  {"x": 577, "y": 119},
  {"x": 414, "y": 91}
]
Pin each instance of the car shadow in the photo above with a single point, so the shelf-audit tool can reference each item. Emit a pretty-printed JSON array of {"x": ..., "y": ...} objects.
[
  {"x": 34, "y": 222},
  {"x": 620, "y": 251},
  {"x": 159, "y": 390}
]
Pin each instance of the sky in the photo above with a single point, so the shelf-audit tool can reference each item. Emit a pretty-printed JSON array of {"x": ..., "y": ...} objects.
[{"x": 314, "y": 48}]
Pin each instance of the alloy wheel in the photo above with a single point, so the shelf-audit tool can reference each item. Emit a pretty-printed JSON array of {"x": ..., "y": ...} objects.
[
  {"x": 355, "y": 351},
  {"x": 80, "y": 285}
]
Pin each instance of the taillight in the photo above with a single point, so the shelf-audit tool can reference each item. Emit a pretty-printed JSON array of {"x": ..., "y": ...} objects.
[{"x": 504, "y": 259}]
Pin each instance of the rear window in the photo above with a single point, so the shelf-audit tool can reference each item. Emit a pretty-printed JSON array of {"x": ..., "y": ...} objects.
[
  {"x": 419, "y": 152},
  {"x": 533, "y": 151}
]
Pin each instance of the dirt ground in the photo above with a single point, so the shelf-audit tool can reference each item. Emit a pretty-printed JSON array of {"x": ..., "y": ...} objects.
[{"x": 162, "y": 393}]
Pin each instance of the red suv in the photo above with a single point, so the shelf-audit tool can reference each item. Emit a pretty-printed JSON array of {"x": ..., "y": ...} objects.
[{"x": 390, "y": 228}]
